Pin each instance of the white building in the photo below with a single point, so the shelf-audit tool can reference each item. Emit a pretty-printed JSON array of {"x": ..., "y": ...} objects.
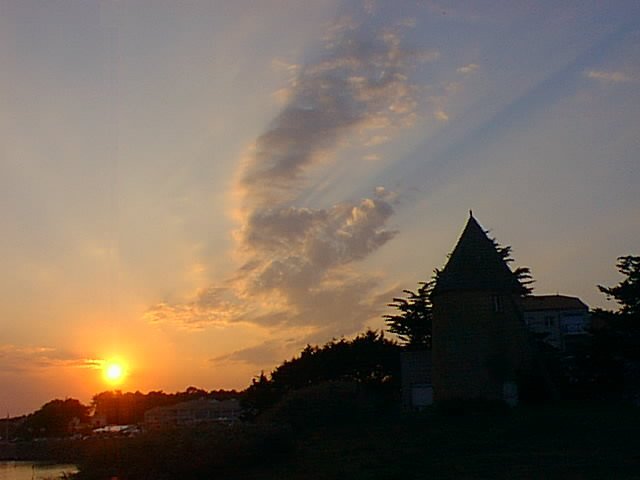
[
  {"x": 192, "y": 413},
  {"x": 563, "y": 320}
]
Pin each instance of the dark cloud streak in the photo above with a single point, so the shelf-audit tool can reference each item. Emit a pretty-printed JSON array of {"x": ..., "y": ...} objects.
[{"x": 361, "y": 82}]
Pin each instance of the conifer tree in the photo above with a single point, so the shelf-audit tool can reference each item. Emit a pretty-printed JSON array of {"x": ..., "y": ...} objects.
[
  {"x": 627, "y": 292},
  {"x": 412, "y": 324}
]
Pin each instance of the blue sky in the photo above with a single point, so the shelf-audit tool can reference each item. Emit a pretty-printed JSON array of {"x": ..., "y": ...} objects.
[{"x": 202, "y": 188}]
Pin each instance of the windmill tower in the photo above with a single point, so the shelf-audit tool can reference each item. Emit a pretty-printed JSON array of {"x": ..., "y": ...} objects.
[{"x": 479, "y": 337}]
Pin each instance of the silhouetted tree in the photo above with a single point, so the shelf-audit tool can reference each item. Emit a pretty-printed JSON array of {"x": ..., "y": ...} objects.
[
  {"x": 523, "y": 274},
  {"x": 627, "y": 292},
  {"x": 605, "y": 368},
  {"x": 119, "y": 408},
  {"x": 128, "y": 408},
  {"x": 368, "y": 359},
  {"x": 413, "y": 323},
  {"x": 261, "y": 394},
  {"x": 54, "y": 419},
  {"x": 622, "y": 332}
]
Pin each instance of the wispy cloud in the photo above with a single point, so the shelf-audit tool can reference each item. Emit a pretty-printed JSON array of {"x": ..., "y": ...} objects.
[
  {"x": 297, "y": 261},
  {"x": 209, "y": 306},
  {"x": 360, "y": 86},
  {"x": 441, "y": 115},
  {"x": 610, "y": 77},
  {"x": 265, "y": 353},
  {"x": 468, "y": 69},
  {"x": 297, "y": 245},
  {"x": 16, "y": 358}
]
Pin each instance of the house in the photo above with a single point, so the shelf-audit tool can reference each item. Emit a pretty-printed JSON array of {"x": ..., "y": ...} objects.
[
  {"x": 480, "y": 341},
  {"x": 193, "y": 412},
  {"x": 561, "y": 320}
]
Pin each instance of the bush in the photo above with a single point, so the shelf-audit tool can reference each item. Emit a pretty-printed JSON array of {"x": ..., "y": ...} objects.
[
  {"x": 326, "y": 404},
  {"x": 193, "y": 453},
  {"x": 477, "y": 406}
]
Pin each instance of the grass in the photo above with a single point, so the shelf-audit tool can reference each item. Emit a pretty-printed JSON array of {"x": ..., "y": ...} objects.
[
  {"x": 558, "y": 442},
  {"x": 564, "y": 442}
]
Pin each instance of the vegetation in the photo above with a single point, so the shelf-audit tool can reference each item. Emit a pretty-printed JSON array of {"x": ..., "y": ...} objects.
[
  {"x": 572, "y": 441},
  {"x": 608, "y": 366},
  {"x": 119, "y": 408},
  {"x": 326, "y": 404},
  {"x": 412, "y": 324},
  {"x": 187, "y": 453},
  {"x": 53, "y": 419},
  {"x": 613, "y": 364},
  {"x": 523, "y": 274},
  {"x": 627, "y": 292},
  {"x": 368, "y": 359},
  {"x": 64, "y": 418},
  {"x": 586, "y": 441}
]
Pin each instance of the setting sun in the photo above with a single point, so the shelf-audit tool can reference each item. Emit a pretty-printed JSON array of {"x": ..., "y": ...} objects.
[{"x": 114, "y": 372}]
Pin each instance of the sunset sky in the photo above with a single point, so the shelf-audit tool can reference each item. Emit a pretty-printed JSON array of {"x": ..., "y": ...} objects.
[{"x": 198, "y": 189}]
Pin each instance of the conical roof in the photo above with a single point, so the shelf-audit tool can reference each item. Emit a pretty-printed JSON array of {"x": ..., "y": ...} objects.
[{"x": 476, "y": 265}]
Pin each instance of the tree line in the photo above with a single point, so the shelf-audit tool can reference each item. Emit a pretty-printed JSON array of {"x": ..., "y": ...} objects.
[{"x": 60, "y": 418}]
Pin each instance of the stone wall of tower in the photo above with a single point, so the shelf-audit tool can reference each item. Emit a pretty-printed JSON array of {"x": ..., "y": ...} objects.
[{"x": 479, "y": 343}]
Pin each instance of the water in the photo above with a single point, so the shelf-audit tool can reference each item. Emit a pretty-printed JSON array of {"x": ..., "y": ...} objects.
[{"x": 34, "y": 471}]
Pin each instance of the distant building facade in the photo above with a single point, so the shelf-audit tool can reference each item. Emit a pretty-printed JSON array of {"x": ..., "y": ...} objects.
[
  {"x": 193, "y": 412},
  {"x": 560, "y": 320},
  {"x": 98, "y": 420}
]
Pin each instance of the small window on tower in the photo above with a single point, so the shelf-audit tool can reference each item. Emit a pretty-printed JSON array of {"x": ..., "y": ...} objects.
[{"x": 497, "y": 303}]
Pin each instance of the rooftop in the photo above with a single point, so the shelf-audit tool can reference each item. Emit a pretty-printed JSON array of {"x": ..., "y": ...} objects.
[
  {"x": 475, "y": 264},
  {"x": 552, "y": 302}
]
